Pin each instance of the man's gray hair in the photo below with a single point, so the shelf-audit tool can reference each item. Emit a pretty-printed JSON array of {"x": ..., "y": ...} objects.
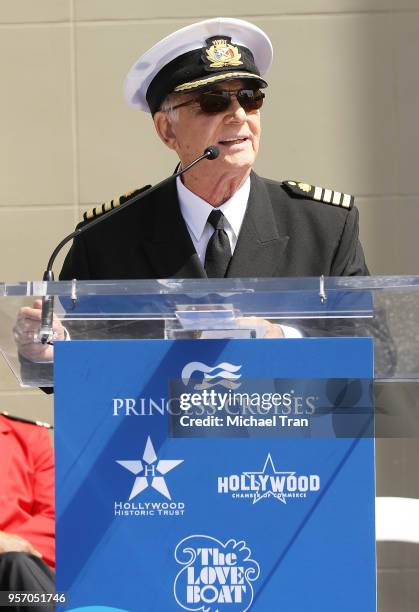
[{"x": 167, "y": 106}]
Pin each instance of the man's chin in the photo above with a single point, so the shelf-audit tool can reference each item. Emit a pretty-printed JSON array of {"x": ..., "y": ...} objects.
[{"x": 238, "y": 161}]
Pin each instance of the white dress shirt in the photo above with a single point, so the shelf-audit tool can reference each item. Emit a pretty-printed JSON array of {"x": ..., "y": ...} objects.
[{"x": 196, "y": 211}]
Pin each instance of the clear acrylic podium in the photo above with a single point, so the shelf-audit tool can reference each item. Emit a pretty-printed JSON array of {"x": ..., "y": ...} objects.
[{"x": 386, "y": 308}]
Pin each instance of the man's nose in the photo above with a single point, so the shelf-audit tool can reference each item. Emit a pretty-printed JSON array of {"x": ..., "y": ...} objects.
[{"x": 235, "y": 110}]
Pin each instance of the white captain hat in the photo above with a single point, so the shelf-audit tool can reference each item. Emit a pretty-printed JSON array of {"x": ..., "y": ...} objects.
[{"x": 195, "y": 58}]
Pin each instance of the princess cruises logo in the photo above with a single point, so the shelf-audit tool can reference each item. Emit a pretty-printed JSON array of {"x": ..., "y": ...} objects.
[{"x": 224, "y": 374}]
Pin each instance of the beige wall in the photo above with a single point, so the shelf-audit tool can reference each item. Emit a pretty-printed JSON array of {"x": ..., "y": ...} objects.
[{"x": 342, "y": 111}]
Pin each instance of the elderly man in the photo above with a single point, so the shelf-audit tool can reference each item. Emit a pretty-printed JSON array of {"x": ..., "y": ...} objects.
[{"x": 204, "y": 85}]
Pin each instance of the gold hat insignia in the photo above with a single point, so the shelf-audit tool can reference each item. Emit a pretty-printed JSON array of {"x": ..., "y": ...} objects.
[
  {"x": 221, "y": 53},
  {"x": 304, "y": 187}
]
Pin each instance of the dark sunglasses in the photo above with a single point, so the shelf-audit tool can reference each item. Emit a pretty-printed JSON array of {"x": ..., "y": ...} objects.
[{"x": 219, "y": 101}]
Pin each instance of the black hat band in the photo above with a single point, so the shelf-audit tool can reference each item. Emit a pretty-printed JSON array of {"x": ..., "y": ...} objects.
[{"x": 218, "y": 61}]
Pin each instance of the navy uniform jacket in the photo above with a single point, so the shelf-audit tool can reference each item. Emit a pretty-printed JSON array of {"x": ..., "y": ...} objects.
[
  {"x": 281, "y": 235},
  {"x": 284, "y": 233}
]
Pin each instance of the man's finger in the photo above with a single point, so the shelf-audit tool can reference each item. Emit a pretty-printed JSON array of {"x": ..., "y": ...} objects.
[
  {"x": 25, "y": 331},
  {"x": 26, "y": 312},
  {"x": 25, "y": 325},
  {"x": 31, "y": 312}
]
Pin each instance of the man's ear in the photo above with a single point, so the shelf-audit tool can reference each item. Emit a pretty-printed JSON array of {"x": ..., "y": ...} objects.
[{"x": 164, "y": 128}]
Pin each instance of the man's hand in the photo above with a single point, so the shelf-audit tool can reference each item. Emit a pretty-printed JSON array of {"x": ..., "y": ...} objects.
[
  {"x": 13, "y": 543},
  {"x": 25, "y": 331},
  {"x": 263, "y": 327}
]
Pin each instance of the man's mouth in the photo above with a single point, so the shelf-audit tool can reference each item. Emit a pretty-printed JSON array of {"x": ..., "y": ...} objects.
[{"x": 234, "y": 140}]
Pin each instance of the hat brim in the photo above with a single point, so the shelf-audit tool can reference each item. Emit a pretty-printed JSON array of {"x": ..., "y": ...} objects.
[{"x": 213, "y": 79}]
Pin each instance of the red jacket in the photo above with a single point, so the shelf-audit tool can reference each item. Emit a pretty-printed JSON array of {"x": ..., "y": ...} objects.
[{"x": 27, "y": 485}]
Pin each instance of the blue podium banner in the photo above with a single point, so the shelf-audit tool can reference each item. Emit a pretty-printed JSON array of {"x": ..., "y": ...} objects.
[{"x": 215, "y": 476}]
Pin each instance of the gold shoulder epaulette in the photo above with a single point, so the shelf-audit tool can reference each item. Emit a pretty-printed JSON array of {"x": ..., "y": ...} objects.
[
  {"x": 29, "y": 421},
  {"x": 107, "y": 206},
  {"x": 320, "y": 194}
]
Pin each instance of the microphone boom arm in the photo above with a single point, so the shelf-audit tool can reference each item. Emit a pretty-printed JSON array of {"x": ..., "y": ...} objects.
[{"x": 45, "y": 334}]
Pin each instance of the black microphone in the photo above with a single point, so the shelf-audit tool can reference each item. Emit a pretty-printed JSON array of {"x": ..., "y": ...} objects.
[
  {"x": 212, "y": 152},
  {"x": 45, "y": 334}
]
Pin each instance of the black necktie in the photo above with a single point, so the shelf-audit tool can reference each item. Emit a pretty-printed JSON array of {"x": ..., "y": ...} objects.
[{"x": 218, "y": 253}]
